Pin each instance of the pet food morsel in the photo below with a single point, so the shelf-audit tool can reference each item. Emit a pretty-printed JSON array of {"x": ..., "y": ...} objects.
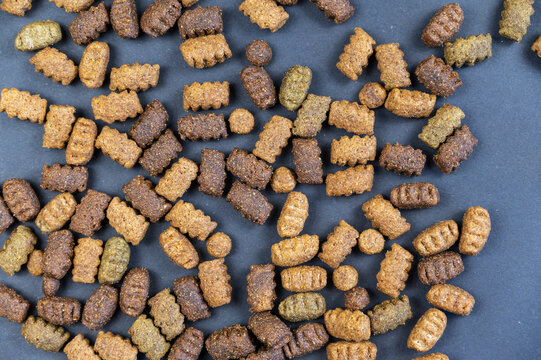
[
  {"x": 118, "y": 147},
  {"x": 251, "y": 203},
  {"x": 354, "y": 180},
  {"x": 385, "y": 217},
  {"x": 79, "y": 348},
  {"x": 428, "y": 330},
  {"x": 205, "y": 96},
  {"x": 205, "y": 51},
  {"x": 114, "y": 261},
  {"x": 148, "y": 339},
  {"x": 17, "y": 247},
  {"x": 393, "y": 271},
  {"x": 80, "y": 148},
  {"x": 100, "y": 308},
  {"x": 302, "y": 307},
  {"x": 410, "y": 103},
  {"x": 177, "y": 179},
  {"x": 306, "y": 339},
  {"x": 178, "y": 248},
  {"x": 443, "y": 26},
  {"x": 200, "y": 21},
  {"x": 166, "y": 314},
  {"x": 188, "y": 3},
  {"x": 516, "y": 18},
  {"x": 134, "y": 292},
  {"x": 356, "y": 54},
  {"x": 57, "y": 128},
  {"x": 347, "y": 325},
  {"x": 269, "y": 329},
  {"x": 38, "y": 35},
  {"x": 140, "y": 193},
  {"x": 345, "y": 277},
  {"x": 455, "y": 149},
  {"x": 259, "y": 53},
  {"x": 16, "y": 7},
  {"x": 304, "y": 278},
  {"x": 259, "y": 86},
  {"x": 437, "y": 238},
  {"x": 475, "y": 230},
  {"x": 189, "y": 297},
  {"x": 73, "y": 6},
  {"x": 295, "y": 85},
  {"x": 23, "y": 105},
  {"x": 433, "y": 356},
  {"x": 93, "y": 65},
  {"x": 59, "y": 310},
  {"x": 188, "y": 345},
  {"x": 372, "y": 95},
  {"x": 35, "y": 263},
  {"x": 356, "y": 298},
  {"x": 241, "y": 121},
  {"x": 441, "y": 125},
  {"x": 64, "y": 178},
  {"x": 274, "y": 137},
  {"x": 150, "y": 124},
  {"x": 114, "y": 347},
  {"x": 415, "y": 196},
  {"x": 293, "y": 215},
  {"x": 389, "y": 315},
  {"x": 437, "y": 269},
  {"x": 339, "y": 244},
  {"x": 371, "y": 242},
  {"x": 232, "y": 342},
  {"x": 392, "y": 66},
  {"x": 202, "y": 127},
  {"x": 219, "y": 245},
  {"x": 54, "y": 65},
  {"x": 124, "y": 18},
  {"x": 352, "y": 117},
  {"x": 347, "y": 350},
  {"x": 295, "y": 251},
  {"x": 160, "y": 16},
  {"x": 191, "y": 221},
  {"x": 403, "y": 160},
  {"x": 44, "y": 335},
  {"x": 21, "y": 199},
  {"x": 307, "y": 160},
  {"x": 12, "y": 305},
  {"x": 56, "y": 213},
  {"x": 265, "y": 13},
  {"x": 90, "y": 213},
  {"x": 261, "y": 288},
  {"x": 86, "y": 260},
  {"x": 283, "y": 180},
  {"x": 249, "y": 169},
  {"x": 212, "y": 172},
  {"x": 116, "y": 106},
  {"x": 311, "y": 115},
  {"x": 266, "y": 354},
  {"x": 126, "y": 221},
  {"x": 87, "y": 27},
  {"x": 536, "y": 46},
  {"x": 58, "y": 254},
  {"x": 214, "y": 282},
  {"x": 337, "y": 10},
  {"x": 5, "y": 216},
  {"x": 469, "y": 51},
  {"x": 134, "y": 77},
  {"x": 451, "y": 298},
  {"x": 287, "y": 2},
  {"x": 49, "y": 285},
  {"x": 437, "y": 76}
]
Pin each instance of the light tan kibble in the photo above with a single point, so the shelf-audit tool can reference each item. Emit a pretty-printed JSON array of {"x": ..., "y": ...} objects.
[
  {"x": 241, "y": 121},
  {"x": 219, "y": 245},
  {"x": 345, "y": 277},
  {"x": 283, "y": 180},
  {"x": 371, "y": 242}
]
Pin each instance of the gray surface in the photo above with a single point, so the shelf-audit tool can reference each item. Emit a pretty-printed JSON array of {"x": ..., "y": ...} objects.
[{"x": 500, "y": 98}]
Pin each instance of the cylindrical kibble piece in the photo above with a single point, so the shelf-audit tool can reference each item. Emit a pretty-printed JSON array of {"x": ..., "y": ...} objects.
[
  {"x": 90, "y": 213},
  {"x": 177, "y": 179},
  {"x": 148, "y": 339},
  {"x": 274, "y": 137},
  {"x": 347, "y": 350},
  {"x": 188, "y": 345},
  {"x": 306, "y": 339},
  {"x": 116, "y": 106},
  {"x": 118, "y": 147},
  {"x": 302, "y": 307},
  {"x": 356, "y": 298},
  {"x": 57, "y": 128},
  {"x": 215, "y": 282},
  {"x": 190, "y": 299},
  {"x": 265, "y": 13},
  {"x": 451, "y": 298},
  {"x": 356, "y": 54},
  {"x": 428, "y": 330},
  {"x": 54, "y": 65},
  {"x": 124, "y": 18},
  {"x": 345, "y": 277},
  {"x": 126, "y": 221},
  {"x": 469, "y": 51},
  {"x": 80, "y": 148},
  {"x": 259, "y": 86},
  {"x": 134, "y": 77},
  {"x": 516, "y": 18},
  {"x": 354, "y": 180},
  {"x": 79, "y": 348},
  {"x": 283, "y": 180},
  {"x": 212, "y": 172},
  {"x": 64, "y": 178},
  {"x": 49, "y": 285},
  {"x": 304, "y": 278},
  {"x": 205, "y": 51},
  {"x": 232, "y": 342},
  {"x": 443, "y": 26},
  {"x": 86, "y": 260},
  {"x": 21, "y": 199},
  {"x": 56, "y": 213},
  {"x": 259, "y": 53},
  {"x": 59, "y": 310},
  {"x": 371, "y": 242},
  {"x": 475, "y": 230},
  {"x": 438, "y": 77},
  {"x": 403, "y": 160},
  {"x": 264, "y": 353},
  {"x": 307, "y": 160},
  {"x": 269, "y": 329},
  {"x": 14, "y": 254},
  {"x": 385, "y": 217},
  {"x": 189, "y": 220},
  {"x": 410, "y": 103},
  {"x": 372, "y": 95},
  {"x": 389, "y": 315},
  {"x": 93, "y": 65},
  {"x": 200, "y": 21},
  {"x": 12, "y": 305},
  {"x": 337, "y": 10},
  {"x": 100, "y": 307},
  {"x": 23, "y": 105},
  {"x": 441, "y": 125},
  {"x": 134, "y": 292},
  {"x": 37, "y": 35},
  {"x": 339, "y": 244},
  {"x": 241, "y": 121},
  {"x": 35, "y": 263},
  {"x": 140, "y": 193},
  {"x": 202, "y": 127},
  {"x": 114, "y": 262},
  {"x": 150, "y": 124},
  {"x": 252, "y": 204},
  {"x": 89, "y": 24},
  {"x": 113, "y": 347},
  {"x": 293, "y": 215},
  {"x": 205, "y": 96},
  {"x": 393, "y": 271},
  {"x": 219, "y": 245},
  {"x": 352, "y": 117},
  {"x": 166, "y": 314},
  {"x": 392, "y": 66},
  {"x": 437, "y": 238},
  {"x": 455, "y": 150},
  {"x": 295, "y": 85},
  {"x": 295, "y": 251},
  {"x": 347, "y": 325},
  {"x": 437, "y": 269},
  {"x": 260, "y": 288},
  {"x": 311, "y": 115},
  {"x": 44, "y": 335},
  {"x": 160, "y": 16},
  {"x": 58, "y": 254}
]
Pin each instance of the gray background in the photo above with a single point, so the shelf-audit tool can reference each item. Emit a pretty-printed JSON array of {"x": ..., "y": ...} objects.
[{"x": 500, "y": 98}]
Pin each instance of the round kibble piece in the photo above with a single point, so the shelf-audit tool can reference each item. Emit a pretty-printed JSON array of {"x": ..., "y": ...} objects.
[
  {"x": 259, "y": 53},
  {"x": 372, "y": 95},
  {"x": 371, "y": 242},
  {"x": 219, "y": 245},
  {"x": 283, "y": 180},
  {"x": 356, "y": 298},
  {"x": 345, "y": 277},
  {"x": 35, "y": 263},
  {"x": 241, "y": 121}
]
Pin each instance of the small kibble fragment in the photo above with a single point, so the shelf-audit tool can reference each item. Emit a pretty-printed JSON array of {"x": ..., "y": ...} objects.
[
  {"x": 116, "y": 106},
  {"x": 393, "y": 271},
  {"x": 202, "y": 127},
  {"x": 536, "y": 46},
  {"x": 352, "y": 117},
  {"x": 100, "y": 308},
  {"x": 58, "y": 254},
  {"x": 87, "y": 27},
  {"x": 347, "y": 350},
  {"x": 307, "y": 160},
  {"x": 354, "y": 180},
  {"x": 295, "y": 86},
  {"x": 178, "y": 248},
  {"x": 49, "y": 285},
  {"x": 214, "y": 281},
  {"x": 219, "y": 245},
  {"x": 134, "y": 292},
  {"x": 475, "y": 230},
  {"x": 274, "y": 137},
  {"x": 356, "y": 298},
  {"x": 150, "y": 124},
  {"x": 44, "y": 335},
  {"x": 443, "y": 26},
  {"x": 132, "y": 226},
  {"x": 269, "y": 329},
  {"x": 23, "y": 105},
  {"x": 166, "y": 314},
  {"x": 90, "y": 213},
  {"x": 57, "y": 127},
  {"x": 200, "y": 21},
  {"x": 79, "y": 348},
  {"x": 389, "y": 315},
  {"x": 55, "y": 65},
  {"x": 437, "y": 269},
  {"x": 73, "y": 6},
  {"x": 232, "y": 342},
  {"x": 306, "y": 339},
  {"x": 339, "y": 244},
  {"x": 248, "y": 168},
  {"x": 345, "y": 277},
  {"x": 188, "y": 345},
  {"x": 114, "y": 347},
  {"x": 438, "y": 77},
  {"x": 304, "y": 278},
  {"x": 189, "y": 297},
  {"x": 59, "y": 310},
  {"x": 114, "y": 261},
  {"x": 417, "y": 195},
  {"x": 283, "y": 180},
  {"x": 259, "y": 53},
  {"x": 347, "y": 325},
  {"x": 191, "y": 221},
  {"x": 16, "y": 7},
  {"x": 86, "y": 260},
  {"x": 403, "y": 160},
  {"x": 356, "y": 54},
  {"x": 124, "y": 18},
  {"x": 205, "y": 51},
  {"x": 516, "y": 18},
  {"x": 371, "y": 242},
  {"x": 134, "y": 77},
  {"x": 21, "y": 199},
  {"x": 437, "y": 238},
  {"x": 205, "y": 96},
  {"x": 212, "y": 174},
  {"x": 38, "y": 35},
  {"x": 302, "y": 307},
  {"x": 259, "y": 86},
  {"x": 264, "y": 353},
  {"x": 251, "y": 203},
  {"x": 56, "y": 213},
  {"x": 261, "y": 288},
  {"x": 410, "y": 103},
  {"x": 160, "y": 16},
  {"x": 441, "y": 125},
  {"x": 118, "y": 147},
  {"x": 64, "y": 178},
  {"x": 177, "y": 179},
  {"x": 80, "y": 148},
  {"x": 140, "y": 193},
  {"x": 241, "y": 121},
  {"x": 455, "y": 149},
  {"x": 428, "y": 330},
  {"x": 265, "y": 13},
  {"x": 311, "y": 115},
  {"x": 35, "y": 263},
  {"x": 295, "y": 251},
  {"x": 372, "y": 95},
  {"x": 293, "y": 215},
  {"x": 451, "y": 298},
  {"x": 16, "y": 250},
  {"x": 392, "y": 66},
  {"x": 5, "y": 216},
  {"x": 12, "y": 305},
  {"x": 469, "y": 51},
  {"x": 337, "y": 10},
  {"x": 433, "y": 356},
  {"x": 148, "y": 339}
]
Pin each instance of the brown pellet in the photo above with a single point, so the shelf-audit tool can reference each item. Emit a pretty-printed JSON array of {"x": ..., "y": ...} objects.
[
  {"x": 35, "y": 263},
  {"x": 56, "y": 213},
  {"x": 5, "y": 216},
  {"x": 58, "y": 254},
  {"x": 205, "y": 96},
  {"x": 428, "y": 330},
  {"x": 118, "y": 147},
  {"x": 23, "y": 105},
  {"x": 124, "y": 18},
  {"x": 90, "y": 213},
  {"x": 232, "y": 342},
  {"x": 100, "y": 307},
  {"x": 160, "y": 16},
  {"x": 241, "y": 121},
  {"x": 87, "y": 27},
  {"x": 311, "y": 115},
  {"x": 114, "y": 347},
  {"x": 345, "y": 277},
  {"x": 269, "y": 329},
  {"x": 54, "y": 65},
  {"x": 212, "y": 174},
  {"x": 191, "y": 221},
  {"x": 80, "y": 148},
  {"x": 451, "y": 298},
  {"x": 79, "y": 348},
  {"x": 177, "y": 179},
  {"x": 438, "y": 77},
  {"x": 178, "y": 248},
  {"x": 205, "y": 51},
  {"x": 49, "y": 285},
  {"x": 306, "y": 339},
  {"x": 57, "y": 128},
  {"x": 259, "y": 53},
  {"x": 265, "y": 13},
  {"x": 134, "y": 292},
  {"x": 264, "y": 353},
  {"x": 293, "y": 215},
  {"x": 356, "y": 54},
  {"x": 86, "y": 260},
  {"x": 372, "y": 95},
  {"x": 415, "y": 196},
  {"x": 251, "y": 203},
  {"x": 64, "y": 178},
  {"x": 140, "y": 193},
  {"x": 188, "y": 345},
  {"x": 202, "y": 127},
  {"x": 347, "y": 325},
  {"x": 116, "y": 106},
  {"x": 352, "y": 117},
  {"x": 476, "y": 227},
  {"x": 93, "y": 65},
  {"x": 200, "y": 21},
  {"x": 189, "y": 297},
  {"x": 389, "y": 315},
  {"x": 259, "y": 86},
  {"x": 371, "y": 242},
  {"x": 443, "y": 26},
  {"x": 219, "y": 245},
  {"x": 21, "y": 199},
  {"x": 261, "y": 288},
  {"x": 166, "y": 313},
  {"x": 150, "y": 124},
  {"x": 356, "y": 298},
  {"x": 403, "y": 160},
  {"x": 307, "y": 160},
  {"x": 337, "y": 10},
  {"x": 392, "y": 66},
  {"x": 393, "y": 271},
  {"x": 339, "y": 244},
  {"x": 283, "y": 180},
  {"x": 14, "y": 254},
  {"x": 410, "y": 103},
  {"x": 455, "y": 149},
  {"x": 59, "y": 310},
  {"x": 274, "y": 137},
  {"x": 44, "y": 335},
  {"x": 248, "y": 168},
  {"x": 354, "y": 180},
  {"x": 134, "y": 77},
  {"x": 158, "y": 156},
  {"x": 126, "y": 221},
  {"x": 436, "y": 238},
  {"x": 12, "y": 305},
  {"x": 214, "y": 282},
  {"x": 304, "y": 278},
  {"x": 437, "y": 269}
]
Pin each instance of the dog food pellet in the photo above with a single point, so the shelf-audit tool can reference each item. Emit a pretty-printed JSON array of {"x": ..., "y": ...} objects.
[
  {"x": 160, "y": 16},
  {"x": 232, "y": 342},
  {"x": 212, "y": 173},
  {"x": 304, "y": 278},
  {"x": 261, "y": 288},
  {"x": 214, "y": 281},
  {"x": 259, "y": 53},
  {"x": 295, "y": 85},
  {"x": 58, "y": 126},
  {"x": 201, "y": 21},
  {"x": 150, "y": 124},
  {"x": 21, "y": 199},
  {"x": 191, "y": 221},
  {"x": 347, "y": 325},
  {"x": 265, "y": 13},
  {"x": 178, "y": 248},
  {"x": 455, "y": 149},
  {"x": 433, "y": 356},
  {"x": 35, "y": 263},
  {"x": 393, "y": 271},
  {"x": 54, "y": 65},
  {"x": 371, "y": 242},
  {"x": 437, "y": 238},
  {"x": 516, "y": 18},
  {"x": 293, "y": 215},
  {"x": 202, "y": 127},
  {"x": 475, "y": 230},
  {"x": 385, "y": 217},
  {"x": 140, "y": 193},
  {"x": 266, "y": 354},
  {"x": 356, "y": 54},
  {"x": 306, "y": 339},
  {"x": 49, "y": 285},
  {"x": 346, "y": 350},
  {"x": 64, "y": 178},
  {"x": 241, "y": 121},
  {"x": 12, "y": 305},
  {"x": 356, "y": 298},
  {"x": 339, "y": 244},
  {"x": 295, "y": 251},
  {"x": 44, "y": 335},
  {"x": 469, "y": 51},
  {"x": 437, "y": 76},
  {"x": 206, "y": 96},
  {"x": 249, "y": 169},
  {"x": 219, "y": 245},
  {"x": 205, "y": 51},
  {"x": 177, "y": 179},
  {"x": 166, "y": 314},
  {"x": 124, "y": 18},
  {"x": 23, "y": 105},
  {"x": 38, "y": 35},
  {"x": 79, "y": 348},
  {"x": 134, "y": 77},
  {"x": 410, "y": 103},
  {"x": 345, "y": 277},
  {"x": 354, "y": 180},
  {"x": 283, "y": 180},
  {"x": 352, "y": 117},
  {"x": 389, "y": 315},
  {"x": 302, "y": 307},
  {"x": 307, "y": 160},
  {"x": 188, "y": 345},
  {"x": 189, "y": 297},
  {"x": 73, "y": 6},
  {"x": 451, "y": 298},
  {"x": 134, "y": 292},
  {"x": 372, "y": 95},
  {"x": 15, "y": 7},
  {"x": 443, "y": 26},
  {"x": 251, "y": 203},
  {"x": 93, "y": 64},
  {"x": 415, "y": 196},
  {"x": 403, "y": 160},
  {"x": 90, "y": 213},
  {"x": 148, "y": 339},
  {"x": 87, "y": 27},
  {"x": 311, "y": 115},
  {"x": 17, "y": 247},
  {"x": 59, "y": 310},
  {"x": 437, "y": 269},
  {"x": 56, "y": 213},
  {"x": 86, "y": 260},
  {"x": 58, "y": 254},
  {"x": 536, "y": 46},
  {"x": 5, "y": 216},
  {"x": 114, "y": 347},
  {"x": 116, "y": 106},
  {"x": 188, "y": 3},
  {"x": 274, "y": 137},
  {"x": 259, "y": 86},
  {"x": 126, "y": 221},
  {"x": 337, "y": 10},
  {"x": 392, "y": 66},
  {"x": 269, "y": 329},
  {"x": 100, "y": 307},
  {"x": 441, "y": 125},
  {"x": 80, "y": 148},
  {"x": 428, "y": 330},
  {"x": 114, "y": 261},
  {"x": 118, "y": 147}
]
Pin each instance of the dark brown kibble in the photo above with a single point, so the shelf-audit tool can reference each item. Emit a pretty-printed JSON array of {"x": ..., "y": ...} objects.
[
  {"x": 12, "y": 305},
  {"x": 21, "y": 199},
  {"x": 200, "y": 21},
  {"x": 231, "y": 342},
  {"x": 259, "y": 86},
  {"x": 5, "y": 216},
  {"x": 287, "y": 2},
  {"x": 150, "y": 124},
  {"x": 266, "y": 354},
  {"x": 90, "y": 213},
  {"x": 59, "y": 310},
  {"x": 438, "y": 77},
  {"x": 437, "y": 269},
  {"x": 202, "y": 127},
  {"x": 415, "y": 196},
  {"x": 134, "y": 292},
  {"x": 64, "y": 178},
  {"x": 389, "y": 315},
  {"x": 261, "y": 288},
  {"x": 337, "y": 10},
  {"x": 160, "y": 16},
  {"x": 443, "y": 26},
  {"x": 249, "y": 169},
  {"x": 188, "y": 345},
  {"x": 189, "y": 297},
  {"x": 157, "y": 157},
  {"x": 89, "y": 24},
  {"x": 140, "y": 193},
  {"x": 372, "y": 95},
  {"x": 403, "y": 160},
  {"x": 100, "y": 307},
  {"x": 49, "y": 285},
  {"x": 259, "y": 53},
  {"x": 307, "y": 160},
  {"x": 356, "y": 298},
  {"x": 58, "y": 254},
  {"x": 251, "y": 203},
  {"x": 455, "y": 149},
  {"x": 212, "y": 174},
  {"x": 124, "y": 18},
  {"x": 269, "y": 329},
  {"x": 307, "y": 338}
]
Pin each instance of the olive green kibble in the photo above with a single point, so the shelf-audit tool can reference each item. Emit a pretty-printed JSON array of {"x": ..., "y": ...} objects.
[
  {"x": 148, "y": 339},
  {"x": 294, "y": 88},
  {"x": 302, "y": 307},
  {"x": 114, "y": 261},
  {"x": 38, "y": 35}
]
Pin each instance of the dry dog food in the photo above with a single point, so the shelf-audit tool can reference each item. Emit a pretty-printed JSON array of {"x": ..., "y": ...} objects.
[
  {"x": 339, "y": 244},
  {"x": 114, "y": 261},
  {"x": 266, "y": 354},
  {"x": 269, "y": 329},
  {"x": 212, "y": 172},
  {"x": 206, "y": 96},
  {"x": 283, "y": 180},
  {"x": 157, "y": 157},
  {"x": 93, "y": 64},
  {"x": 116, "y": 106},
  {"x": 307, "y": 160},
  {"x": 64, "y": 178},
  {"x": 258, "y": 53},
  {"x": 371, "y": 242},
  {"x": 118, "y": 147},
  {"x": 392, "y": 66},
  {"x": 304, "y": 278},
  {"x": 86, "y": 260},
  {"x": 58, "y": 254},
  {"x": 438, "y": 77},
  {"x": 134, "y": 77},
  {"x": 306, "y": 339},
  {"x": 188, "y": 345},
  {"x": 90, "y": 213},
  {"x": 23, "y": 105},
  {"x": 356, "y": 298},
  {"x": 166, "y": 314},
  {"x": 433, "y": 356},
  {"x": 265, "y": 13},
  {"x": 177, "y": 179},
  {"x": 415, "y": 196},
  {"x": 202, "y": 127},
  {"x": 79, "y": 348},
  {"x": 437, "y": 269},
  {"x": 451, "y": 298},
  {"x": 38, "y": 35},
  {"x": 311, "y": 116},
  {"x": 372, "y": 95},
  {"x": 160, "y": 16},
  {"x": 443, "y": 26},
  {"x": 150, "y": 124},
  {"x": 352, "y": 117},
  {"x": 249, "y": 169},
  {"x": 410, "y": 103},
  {"x": 441, "y": 125},
  {"x": 241, "y": 121},
  {"x": 124, "y": 18},
  {"x": 49, "y": 285},
  {"x": 205, "y": 51},
  {"x": 354, "y": 180},
  {"x": 428, "y": 330},
  {"x": 219, "y": 245},
  {"x": 261, "y": 288},
  {"x": 54, "y": 65},
  {"x": 57, "y": 128},
  {"x": 178, "y": 248},
  {"x": 536, "y": 46},
  {"x": 35, "y": 263},
  {"x": 455, "y": 149},
  {"x": 274, "y": 137},
  {"x": 259, "y": 86},
  {"x": 393, "y": 271},
  {"x": 437, "y": 238},
  {"x": 188, "y": 3},
  {"x": 17, "y": 247},
  {"x": 200, "y": 21},
  {"x": 5, "y": 216},
  {"x": 302, "y": 307},
  {"x": 59, "y": 310},
  {"x": 469, "y": 51},
  {"x": 295, "y": 85},
  {"x": 347, "y": 325},
  {"x": 100, "y": 308},
  {"x": 43, "y": 335},
  {"x": 12, "y": 305},
  {"x": 126, "y": 221},
  {"x": 21, "y": 199},
  {"x": 293, "y": 215},
  {"x": 56, "y": 213},
  {"x": 148, "y": 339},
  {"x": 189, "y": 297},
  {"x": 232, "y": 342},
  {"x": 389, "y": 315},
  {"x": 191, "y": 221},
  {"x": 214, "y": 282},
  {"x": 114, "y": 347},
  {"x": 251, "y": 203},
  {"x": 337, "y": 10},
  {"x": 80, "y": 148},
  {"x": 356, "y": 54},
  {"x": 516, "y": 18},
  {"x": 346, "y": 350},
  {"x": 345, "y": 277},
  {"x": 140, "y": 193},
  {"x": 73, "y": 6},
  {"x": 295, "y": 251},
  {"x": 403, "y": 160},
  {"x": 14, "y": 7},
  {"x": 134, "y": 292},
  {"x": 475, "y": 230},
  {"x": 87, "y": 27}
]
